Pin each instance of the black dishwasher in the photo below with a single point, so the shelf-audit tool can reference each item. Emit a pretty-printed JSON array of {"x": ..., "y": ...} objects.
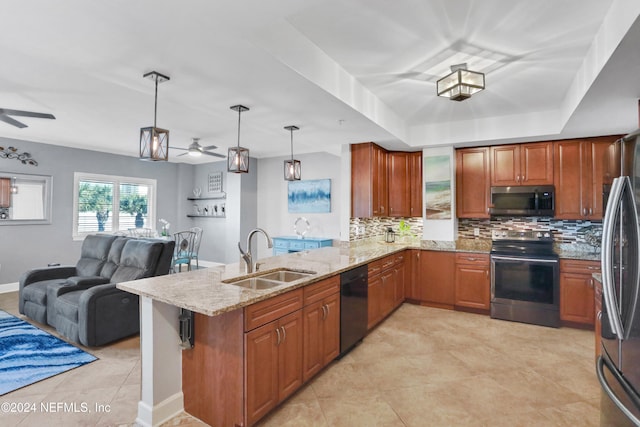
[{"x": 353, "y": 307}]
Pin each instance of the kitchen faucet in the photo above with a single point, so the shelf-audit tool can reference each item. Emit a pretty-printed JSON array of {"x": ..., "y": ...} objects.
[{"x": 246, "y": 256}]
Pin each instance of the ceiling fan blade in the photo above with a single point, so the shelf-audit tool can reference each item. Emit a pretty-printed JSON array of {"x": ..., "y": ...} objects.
[
  {"x": 11, "y": 121},
  {"x": 183, "y": 154},
  {"x": 210, "y": 147},
  {"x": 26, "y": 114},
  {"x": 214, "y": 154},
  {"x": 179, "y": 148}
]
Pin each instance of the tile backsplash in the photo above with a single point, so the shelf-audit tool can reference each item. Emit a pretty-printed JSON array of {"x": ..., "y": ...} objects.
[
  {"x": 569, "y": 233},
  {"x": 564, "y": 231},
  {"x": 364, "y": 228}
]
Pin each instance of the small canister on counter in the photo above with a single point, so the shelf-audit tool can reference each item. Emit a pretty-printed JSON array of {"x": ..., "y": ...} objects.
[{"x": 390, "y": 236}]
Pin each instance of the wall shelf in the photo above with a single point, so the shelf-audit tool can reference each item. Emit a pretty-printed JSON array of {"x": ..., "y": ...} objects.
[{"x": 206, "y": 198}]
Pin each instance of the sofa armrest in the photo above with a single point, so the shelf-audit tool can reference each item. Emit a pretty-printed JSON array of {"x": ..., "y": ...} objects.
[
  {"x": 78, "y": 283},
  {"x": 106, "y": 314},
  {"x": 46, "y": 273}
]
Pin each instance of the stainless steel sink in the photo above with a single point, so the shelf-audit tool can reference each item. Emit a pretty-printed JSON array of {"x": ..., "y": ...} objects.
[
  {"x": 256, "y": 283},
  {"x": 269, "y": 279},
  {"x": 285, "y": 275}
]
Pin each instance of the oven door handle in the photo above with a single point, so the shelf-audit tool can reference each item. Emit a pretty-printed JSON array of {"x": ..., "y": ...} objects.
[{"x": 507, "y": 258}]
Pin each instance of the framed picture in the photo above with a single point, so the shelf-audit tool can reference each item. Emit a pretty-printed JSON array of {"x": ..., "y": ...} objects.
[
  {"x": 437, "y": 187},
  {"x": 309, "y": 196},
  {"x": 214, "y": 182}
]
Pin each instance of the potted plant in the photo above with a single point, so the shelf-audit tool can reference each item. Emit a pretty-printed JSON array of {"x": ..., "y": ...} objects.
[{"x": 134, "y": 204}]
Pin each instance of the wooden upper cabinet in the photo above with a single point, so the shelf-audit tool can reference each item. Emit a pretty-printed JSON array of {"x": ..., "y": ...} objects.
[
  {"x": 399, "y": 184},
  {"x": 472, "y": 182},
  {"x": 522, "y": 164},
  {"x": 415, "y": 176},
  {"x": 579, "y": 177},
  {"x": 369, "y": 188},
  {"x": 5, "y": 192}
]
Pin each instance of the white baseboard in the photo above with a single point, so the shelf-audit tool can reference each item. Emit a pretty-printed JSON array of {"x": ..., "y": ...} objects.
[
  {"x": 160, "y": 413},
  {"x": 9, "y": 287}
]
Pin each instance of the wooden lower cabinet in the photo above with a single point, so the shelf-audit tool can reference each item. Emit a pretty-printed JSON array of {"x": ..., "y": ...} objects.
[
  {"x": 273, "y": 364},
  {"x": 437, "y": 271},
  {"x": 321, "y": 342},
  {"x": 472, "y": 281},
  {"x": 412, "y": 275},
  {"x": 386, "y": 287},
  {"x": 577, "y": 293}
]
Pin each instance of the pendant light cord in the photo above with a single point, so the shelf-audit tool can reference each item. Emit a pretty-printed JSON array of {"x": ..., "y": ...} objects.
[
  {"x": 239, "y": 112},
  {"x": 291, "y": 131},
  {"x": 155, "y": 107}
]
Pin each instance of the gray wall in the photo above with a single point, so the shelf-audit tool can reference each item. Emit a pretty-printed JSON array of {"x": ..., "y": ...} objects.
[{"x": 23, "y": 247}]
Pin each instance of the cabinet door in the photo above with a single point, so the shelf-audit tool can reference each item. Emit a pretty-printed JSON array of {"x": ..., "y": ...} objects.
[
  {"x": 577, "y": 298},
  {"x": 412, "y": 275},
  {"x": 400, "y": 281},
  {"x": 399, "y": 184},
  {"x": 472, "y": 182},
  {"x": 473, "y": 286},
  {"x": 388, "y": 291},
  {"x": 505, "y": 165},
  {"x": 438, "y": 271},
  {"x": 415, "y": 172},
  {"x": 290, "y": 354},
  {"x": 312, "y": 341},
  {"x": 598, "y": 150},
  {"x": 536, "y": 163},
  {"x": 261, "y": 371},
  {"x": 374, "y": 301},
  {"x": 380, "y": 199},
  {"x": 331, "y": 329},
  {"x": 570, "y": 166}
]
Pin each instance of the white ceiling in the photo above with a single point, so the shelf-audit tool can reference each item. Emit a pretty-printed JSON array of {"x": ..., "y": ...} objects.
[{"x": 344, "y": 72}]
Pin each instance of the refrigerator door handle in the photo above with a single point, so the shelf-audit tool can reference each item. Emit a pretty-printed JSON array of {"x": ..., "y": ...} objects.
[
  {"x": 613, "y": 203},
  {"x": 607, "y": 389}
]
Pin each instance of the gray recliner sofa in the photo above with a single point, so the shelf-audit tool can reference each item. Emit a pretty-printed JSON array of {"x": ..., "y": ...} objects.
[{"x": 82, "y": 301}]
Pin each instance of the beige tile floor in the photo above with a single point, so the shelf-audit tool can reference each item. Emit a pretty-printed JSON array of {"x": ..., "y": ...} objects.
[{"x": 421, "y": 367}]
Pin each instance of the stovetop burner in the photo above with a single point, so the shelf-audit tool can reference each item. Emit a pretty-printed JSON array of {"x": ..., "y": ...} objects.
[{"x": 523, "y": 243}]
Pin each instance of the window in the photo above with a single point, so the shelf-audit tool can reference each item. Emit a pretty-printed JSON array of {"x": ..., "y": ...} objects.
[{"x": 97, "y": 197}]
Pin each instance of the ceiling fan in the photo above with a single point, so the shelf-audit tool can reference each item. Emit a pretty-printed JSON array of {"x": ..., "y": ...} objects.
[
  {"x": 5, "y": 113},
  {"x": 195, "y": 149}
]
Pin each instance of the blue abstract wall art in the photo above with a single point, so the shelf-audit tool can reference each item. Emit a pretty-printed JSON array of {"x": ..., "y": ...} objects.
[{"x": 310, "y": 196}]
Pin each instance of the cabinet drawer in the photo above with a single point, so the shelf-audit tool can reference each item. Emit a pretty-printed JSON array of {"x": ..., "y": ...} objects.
[
  {"x": 263, "y": 312},
  {"x": 320, "y": 290},
  {"x": 279, "y": 243},
  {"x": 399, "y": 259},
  {"x": 579, "y": 266},
  {"x": 375, "y": 268},
  {"x": 296, "y": 245},
  {"x": 311, "y": 245},
  {"x": 472, "y": 258},
  {"x": 388, "y": 262}
]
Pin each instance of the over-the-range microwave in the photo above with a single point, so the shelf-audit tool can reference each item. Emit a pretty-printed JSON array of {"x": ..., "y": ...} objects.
[{"x": 522, "y": 200}]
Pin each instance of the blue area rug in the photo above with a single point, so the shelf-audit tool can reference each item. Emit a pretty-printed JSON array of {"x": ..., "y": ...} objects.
[{"x": 29, "y": 354}]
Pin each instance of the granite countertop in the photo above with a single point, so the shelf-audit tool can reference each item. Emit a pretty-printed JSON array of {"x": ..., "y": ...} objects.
[{"x": 204, "y": 292}]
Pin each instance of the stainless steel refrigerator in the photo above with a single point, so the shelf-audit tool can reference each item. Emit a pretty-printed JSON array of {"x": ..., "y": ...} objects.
[{"x": 618, "y": 368}]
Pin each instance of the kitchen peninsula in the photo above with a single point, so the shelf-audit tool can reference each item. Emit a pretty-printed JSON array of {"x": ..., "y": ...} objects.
[{"x": 174, "y": 379}]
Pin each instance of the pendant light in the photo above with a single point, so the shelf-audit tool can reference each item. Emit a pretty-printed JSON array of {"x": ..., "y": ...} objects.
[
  {"x": 292, "y": 167},
  {"x": 238, "y": 157},
  {"x": 154, "y": 142}
]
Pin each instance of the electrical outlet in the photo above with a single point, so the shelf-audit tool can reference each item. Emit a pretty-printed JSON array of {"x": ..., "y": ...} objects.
[{"x": 476, "y": 231}]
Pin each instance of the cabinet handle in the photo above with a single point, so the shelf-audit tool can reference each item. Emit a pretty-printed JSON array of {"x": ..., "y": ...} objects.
[
  {"x": 599, "y": 316},
  {"x": 382, "y": 209},
  {"x": 584, "y": 211},
  {"x": 591, "y": 267},
  {"x": 487, "y": 273},
  {"x": 324, "y": 312},
  {"x": 278, "y": 332},
  {"x": 590, "y": 211},
  {"x": 591, "y": 283},
  {"x": 470, "y": 259},
  {"x": 284, "y": 334}
]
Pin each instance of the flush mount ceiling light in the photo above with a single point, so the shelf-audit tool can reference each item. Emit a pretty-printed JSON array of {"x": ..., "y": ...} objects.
[
  {"x": 292, "y": 167},
  {"x": 154, "y": 142},
  {"x": 238, "y": 157},
  {"x": 461, "y": 83}
]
